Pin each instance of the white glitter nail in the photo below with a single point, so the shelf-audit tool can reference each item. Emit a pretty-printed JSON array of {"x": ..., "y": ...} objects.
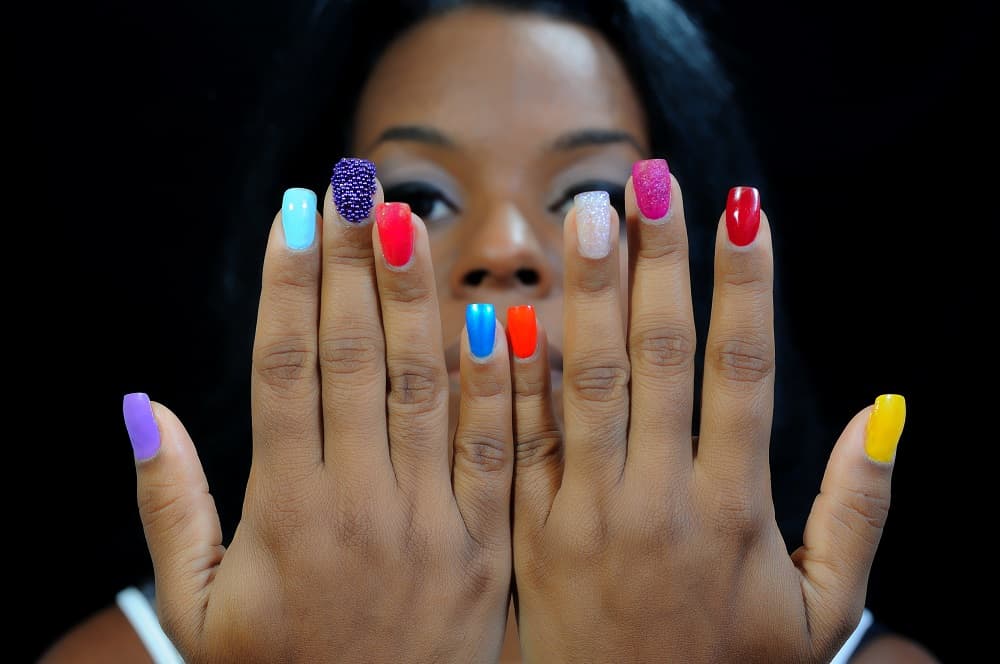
[{"x": 593, "y": 223}]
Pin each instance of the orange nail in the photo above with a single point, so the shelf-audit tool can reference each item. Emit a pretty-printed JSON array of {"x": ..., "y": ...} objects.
[{"x": 522, "y": 330}]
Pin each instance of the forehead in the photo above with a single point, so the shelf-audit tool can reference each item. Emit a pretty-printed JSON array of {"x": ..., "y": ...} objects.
[{"x": 479, "y": 73}]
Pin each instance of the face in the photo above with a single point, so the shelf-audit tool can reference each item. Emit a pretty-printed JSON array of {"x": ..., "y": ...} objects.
[{"x": 488, "y": 123}]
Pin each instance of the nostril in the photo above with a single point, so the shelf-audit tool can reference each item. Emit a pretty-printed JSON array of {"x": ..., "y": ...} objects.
[
  {"x": 474, "y": 278},
  {"x": 528, "y": 276}
]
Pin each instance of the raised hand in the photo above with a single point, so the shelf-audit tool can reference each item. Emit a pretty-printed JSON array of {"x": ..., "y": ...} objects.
[
  {"x": 634, "y": 542},
  {"x": 364, "y": 536}
]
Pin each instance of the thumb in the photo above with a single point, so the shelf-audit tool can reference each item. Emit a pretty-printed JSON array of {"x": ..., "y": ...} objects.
[
  {"x": 178, "y": 515},
  {"x": 846, "y": 521}
]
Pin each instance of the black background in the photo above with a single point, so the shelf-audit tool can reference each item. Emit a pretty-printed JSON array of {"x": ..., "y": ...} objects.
[{"x": 870, "y": 122}]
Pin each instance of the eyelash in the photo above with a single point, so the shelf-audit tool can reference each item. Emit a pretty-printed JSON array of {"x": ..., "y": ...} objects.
[{"x": 421, "y": 197}]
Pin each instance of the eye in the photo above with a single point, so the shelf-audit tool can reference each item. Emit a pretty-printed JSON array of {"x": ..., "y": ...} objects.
[
  {"x": 424, "y": 200},
  {"x": 615, "y": 191}
]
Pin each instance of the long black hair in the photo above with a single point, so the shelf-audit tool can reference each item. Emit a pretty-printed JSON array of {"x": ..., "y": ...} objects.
[{"x": 302, "y": 123}]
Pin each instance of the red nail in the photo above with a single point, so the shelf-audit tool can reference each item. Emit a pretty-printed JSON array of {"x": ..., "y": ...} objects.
[
  {"x": 743, "y": 215},
  {"x": 395, "y": 232},
  {"x": 522, "y": 330}
]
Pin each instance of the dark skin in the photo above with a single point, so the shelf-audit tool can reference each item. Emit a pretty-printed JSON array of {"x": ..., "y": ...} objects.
[{"x": 495, "y": 223}]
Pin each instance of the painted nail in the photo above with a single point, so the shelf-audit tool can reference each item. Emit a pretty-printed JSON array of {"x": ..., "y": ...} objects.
[
  {"x": 743, "y": 215},
  {"x": 593, "y": 223},
  {"x": 522, "y": 329},
  {"x": 298, "y": 218},
  {"x": 395, "y": 232},
  {"x": 353, "y": 183},
  {"x": 885, "y": 426},
  {"x": 141, "y": 425},
  {"x": 651, "y": 181},
  {"x": 481, "y": 323}
]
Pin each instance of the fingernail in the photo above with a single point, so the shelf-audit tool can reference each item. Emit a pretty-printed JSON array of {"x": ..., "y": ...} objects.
[
  {"x": 353, "y": 183},
  {"x": 651, "y": 181},
  {"x": 395, "y": 232},
  {"x": 593, "y": 223},
  {"x": 481, "y": 323},
  {"x": 743, "y": 215},
  {"x": 522, "y": 329},
  {"x": 885, "y": 426},
  {"x": 298, "y": 218},
  {"x": 141, "y": 425}
]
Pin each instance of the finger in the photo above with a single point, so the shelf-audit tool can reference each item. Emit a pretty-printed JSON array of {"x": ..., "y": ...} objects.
[
  {"x": 661, "y": 323},
  {"x": 178, "y": 516},
  {"x": 484, "y": 438},
  {"x": 738, "y": 394},
  {"x": 596, "y": 368},
  {"x": 847, "y": 519},
  {"x": 285, "y": 392},
  {"x": 537, "y": 438},
  {"x": 418, "y": 380},
  {"x": 351, "y": 342}
]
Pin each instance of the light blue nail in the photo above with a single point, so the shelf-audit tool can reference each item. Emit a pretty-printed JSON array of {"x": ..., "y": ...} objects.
[
  {"x": 298, "y": 218},
  {"x": 481, "y": 322}
]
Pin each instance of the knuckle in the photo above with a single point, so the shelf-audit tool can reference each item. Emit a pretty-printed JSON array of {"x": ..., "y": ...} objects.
[
  {"x": 163, "y": 506},
  {"x": 746, "y": 359},
  {"x": 284, "y": 362},
  {"x": 664, "y": 348},
  {"x": 290, "y": 278},
  {"x": 483, "y": 451},
  {"x": 411, "y": 292},
  {"x": 600, "y": 382},
  {"x": 349, "y": 354},
  {"x": 747, "y": 271},
  {"x": 416, "y": 385},
  {"x": 486, "y": 384},
  {"x": 865, "y": 512},
  {"x": 670, "y": 247},
  {"x": 737, "y": 514},
  {"x": 537, "y": 447}
]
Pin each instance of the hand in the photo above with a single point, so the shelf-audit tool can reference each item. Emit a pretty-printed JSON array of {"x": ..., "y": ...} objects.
[
  {"x": 362, "y": 538},
  {"x": 631, "y": 541}
]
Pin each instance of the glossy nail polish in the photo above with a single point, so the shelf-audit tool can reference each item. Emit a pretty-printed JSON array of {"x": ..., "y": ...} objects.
[
  {"x": 885, "y": 426},
  {"x": 743, "y": 215},
  {"x": 522, "y": 330},
  {"x": 353, "y": 184},
  {"x": 141, "y": 425},
  {"x": 298, "y": 218},
  {"x": 395, "y": 232},
  {"x": 481, "y": 324},
  {"x": 593, "y": 223},
  {"x": 651, "y": 181}
]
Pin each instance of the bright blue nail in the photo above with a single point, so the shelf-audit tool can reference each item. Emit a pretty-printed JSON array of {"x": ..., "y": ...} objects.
[
  {"x": 481, "y": 322},
  {"x": 298, "y": 218}
]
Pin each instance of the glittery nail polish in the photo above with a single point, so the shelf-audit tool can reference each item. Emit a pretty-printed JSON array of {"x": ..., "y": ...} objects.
[
  {"x": 593, "y": 223},
  {"x": 354, "y": 186},
  {"x": 651, "y": 181}
]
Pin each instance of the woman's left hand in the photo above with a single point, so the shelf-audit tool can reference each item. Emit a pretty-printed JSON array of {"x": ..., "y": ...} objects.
[{"x": 631, "y": 540}]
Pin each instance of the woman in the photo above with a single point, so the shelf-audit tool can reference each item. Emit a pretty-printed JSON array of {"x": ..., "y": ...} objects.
[{"x": 366, "y": 534}]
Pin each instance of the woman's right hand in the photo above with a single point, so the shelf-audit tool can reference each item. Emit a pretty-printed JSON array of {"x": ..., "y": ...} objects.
[{"x": 362, "y": 538}]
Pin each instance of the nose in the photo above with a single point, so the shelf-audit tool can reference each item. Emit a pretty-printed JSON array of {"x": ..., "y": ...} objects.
[{"x": 504, "y": 253}]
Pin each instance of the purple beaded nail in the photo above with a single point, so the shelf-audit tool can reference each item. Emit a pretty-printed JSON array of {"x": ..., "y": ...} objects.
[{"x": 353, "y": 188}]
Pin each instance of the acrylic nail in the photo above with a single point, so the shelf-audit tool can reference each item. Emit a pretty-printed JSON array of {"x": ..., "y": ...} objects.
[
  {"x": 353, "y": 184},
  {"x": 522, "y": 330},
  {"x": 743, "y": 215},
  {"x": 298, "y": 218},
  {"x": 651, "y": 181},
  {"x": 141, "y": 425},
  {"x": 593, "y": 223},
  {"x": 481, "y": 324},
  {"x": 395, "y": 232},
  {"x": 885, "y": 426}
]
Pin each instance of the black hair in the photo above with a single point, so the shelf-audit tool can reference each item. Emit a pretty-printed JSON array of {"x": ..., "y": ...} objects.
[{"x": 302, "y": 124}]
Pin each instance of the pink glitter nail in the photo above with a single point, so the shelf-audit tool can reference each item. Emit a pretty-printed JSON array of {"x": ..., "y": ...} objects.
[{"x": 651, "y": 180}]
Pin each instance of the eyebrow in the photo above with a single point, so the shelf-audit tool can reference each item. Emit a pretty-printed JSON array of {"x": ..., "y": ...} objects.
[
  {"x": 571, "y": 141},
  {"x": 587, "y": 137},
  {"x": 417, "y": 133}
]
